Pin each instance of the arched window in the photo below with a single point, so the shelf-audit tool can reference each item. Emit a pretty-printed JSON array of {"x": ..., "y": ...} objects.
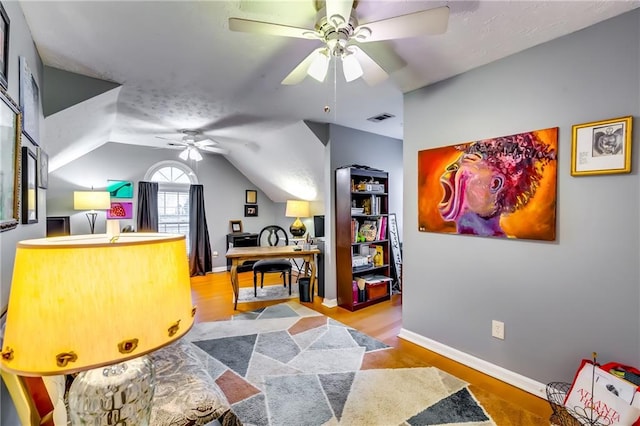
[{"x": 174, "y": 179}]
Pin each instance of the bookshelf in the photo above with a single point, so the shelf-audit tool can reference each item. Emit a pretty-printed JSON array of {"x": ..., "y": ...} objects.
[{"x": 362, "y": 241}]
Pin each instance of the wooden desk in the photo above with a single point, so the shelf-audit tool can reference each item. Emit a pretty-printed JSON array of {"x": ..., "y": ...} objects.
[{"x": 239, "y": 255}]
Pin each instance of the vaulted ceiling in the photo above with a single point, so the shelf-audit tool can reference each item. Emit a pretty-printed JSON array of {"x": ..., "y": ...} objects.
[{"x": 179, "y": 66}]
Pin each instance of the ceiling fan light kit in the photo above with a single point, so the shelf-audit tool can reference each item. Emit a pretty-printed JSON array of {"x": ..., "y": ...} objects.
[
  {"x": 338, "y": 28},
  {"x": 191, "y": 153}
]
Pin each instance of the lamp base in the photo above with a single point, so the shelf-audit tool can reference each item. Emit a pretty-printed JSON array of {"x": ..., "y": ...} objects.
[
  {"x": 297, "y": 228},
  {"x": 91, "y": 217},
  {"x": 118, "y": 394}
]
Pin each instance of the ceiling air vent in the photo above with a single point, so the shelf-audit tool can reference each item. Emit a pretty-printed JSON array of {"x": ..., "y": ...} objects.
[{"x": 381, "y": 117}]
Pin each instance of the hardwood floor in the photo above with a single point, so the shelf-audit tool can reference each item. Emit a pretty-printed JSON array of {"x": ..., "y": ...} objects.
[{"x": 506, "y": 404}]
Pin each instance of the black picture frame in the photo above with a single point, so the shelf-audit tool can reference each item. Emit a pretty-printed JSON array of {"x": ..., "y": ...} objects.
[
  {"x": 250, "y": 210},
  {"x": 251, "y": 196},
  {"x": 9, "y": 162},
  {"x": 4, "y": 46},
  {"x": 30, "y": 103},
  {"x": 29, "y": 186}
]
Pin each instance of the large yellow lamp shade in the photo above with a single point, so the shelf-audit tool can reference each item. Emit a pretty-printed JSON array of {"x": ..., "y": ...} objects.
[{"x": 80, "y": 302}]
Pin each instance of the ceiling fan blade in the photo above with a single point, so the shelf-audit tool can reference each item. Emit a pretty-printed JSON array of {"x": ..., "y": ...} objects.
[
  {"x": 176, "y": 145},
  {"x": 214, "y": 150},
  {"x": 338, "y": 12},
  {"x": 206, "y": 141},
  {"x": 373, "y": 73},
  {"x": 174, "y": 141},
  {"x": 259, "y": 27},
  {"x": 427, "y": 22},
  {"x": 300, "y": 72}
]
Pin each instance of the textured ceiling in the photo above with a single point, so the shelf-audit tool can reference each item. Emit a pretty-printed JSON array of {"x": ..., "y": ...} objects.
[{"x": 180, "y": 66}]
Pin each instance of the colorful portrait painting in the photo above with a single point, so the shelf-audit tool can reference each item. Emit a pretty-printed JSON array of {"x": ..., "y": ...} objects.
[{"x": 503, "y": 187}]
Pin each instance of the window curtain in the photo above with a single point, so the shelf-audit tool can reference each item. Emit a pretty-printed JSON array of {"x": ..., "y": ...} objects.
[
  {"x": 147, "y": 206},
  {"x": 200, "y": 260}
]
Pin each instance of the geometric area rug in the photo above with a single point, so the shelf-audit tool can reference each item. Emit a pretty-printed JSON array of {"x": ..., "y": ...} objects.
[{"x": 287, "y": 364}]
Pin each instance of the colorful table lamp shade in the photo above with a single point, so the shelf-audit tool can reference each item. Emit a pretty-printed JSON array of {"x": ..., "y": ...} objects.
[
  {"x": 297, "y": 209},
  {"x": 82, "y": 302}
]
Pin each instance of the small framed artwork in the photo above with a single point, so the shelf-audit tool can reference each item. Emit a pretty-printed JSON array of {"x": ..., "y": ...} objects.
[
  {"x": 4, "y": 47},
  {"x": 43, "y": 169},
  {"x": 29, "y": 186},
  {"x": 30, "y": 103},
  {"x": 251, "y": 196},
  {"x": 601, "y": 147},
  {"x": 236, "y": 226},
  {"x": 9, "y": 162},
  {"x": 250, "y": 210},
  {"x": 120, "y": 210},
  {"x": 120, "y": 188}
]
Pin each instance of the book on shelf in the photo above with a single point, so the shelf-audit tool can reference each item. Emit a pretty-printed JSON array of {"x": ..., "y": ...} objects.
[{"x": 376, "y": 278}]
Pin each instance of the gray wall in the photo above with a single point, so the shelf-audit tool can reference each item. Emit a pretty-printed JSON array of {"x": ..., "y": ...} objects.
[
  {"x": 20, "y": 44},
  {"x": 224, "y": 188},
  {"x": 349, "y": 146},
  {"x": 559, "y": 301}
]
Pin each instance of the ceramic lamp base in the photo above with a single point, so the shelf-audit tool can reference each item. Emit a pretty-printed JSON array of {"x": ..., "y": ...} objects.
[
  {"x": 118, "y": 394},
  {"x": 297, "y": 228}
]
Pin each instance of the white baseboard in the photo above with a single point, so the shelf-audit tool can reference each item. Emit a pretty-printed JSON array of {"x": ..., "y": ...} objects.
[
  {"x": 507, "y": 376},
  {"x": 219, "y": 269},
  {"x": 330, "y": 303}
]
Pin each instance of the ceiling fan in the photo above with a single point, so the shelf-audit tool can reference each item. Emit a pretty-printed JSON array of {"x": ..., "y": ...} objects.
[
  {"x": 337, "y": 27},
  {"x": 192, "y": 143}
]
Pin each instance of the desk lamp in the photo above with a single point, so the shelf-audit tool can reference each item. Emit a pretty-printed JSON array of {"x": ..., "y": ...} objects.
[
  {"x": 96, "y": 306},
  {"x": 91, "y": 200},
  {"x": 297, "y": 209}
]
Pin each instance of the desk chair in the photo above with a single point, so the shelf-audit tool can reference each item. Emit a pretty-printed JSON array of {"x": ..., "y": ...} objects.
[{"x": 272, "y": 235}]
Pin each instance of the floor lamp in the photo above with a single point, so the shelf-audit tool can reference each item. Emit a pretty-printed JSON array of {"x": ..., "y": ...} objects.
[
  {"x": 91, "y": 200},
  {"x": 101, "y": 306}
]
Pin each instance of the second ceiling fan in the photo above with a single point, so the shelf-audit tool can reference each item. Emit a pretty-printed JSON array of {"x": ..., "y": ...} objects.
[{"x": 337, "y": 27}]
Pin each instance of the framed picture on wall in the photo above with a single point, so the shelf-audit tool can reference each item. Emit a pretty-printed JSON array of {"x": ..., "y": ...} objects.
[
  {"x": 236, "y": 226},
  {"x": 120, "y": 188},
  {"x": 601, "y": 147},
  {"x": 30, "y": 102},
  {"x": 9, "y": 162},
  {"x": 29, "y": 186},
  {"x": 43, "y": 169},
  {"x": 251, "y": 196},
  {"x": 250, "y": 210},
  {"x": 4, "y": 47}
]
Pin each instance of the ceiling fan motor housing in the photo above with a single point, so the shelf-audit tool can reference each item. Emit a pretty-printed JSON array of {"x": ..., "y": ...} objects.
[{"x": 335, "y": 37}]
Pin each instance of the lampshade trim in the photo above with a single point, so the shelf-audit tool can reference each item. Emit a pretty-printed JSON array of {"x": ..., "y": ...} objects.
[
  {"x": 48, "y": 243},
  {"x": 128, "y": 346},
  {"x": 7, "y": 354},
  {"x": 65, "y": 357},
  {"x": 174, "y": 328}
]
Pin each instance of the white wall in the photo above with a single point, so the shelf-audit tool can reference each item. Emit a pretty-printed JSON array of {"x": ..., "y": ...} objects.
[
  {"x": 224, "y": 188},
  {"x": 20, "y": 44},
  {"x": 349, "y": 146},
  {"x": 560, "y": 301}
]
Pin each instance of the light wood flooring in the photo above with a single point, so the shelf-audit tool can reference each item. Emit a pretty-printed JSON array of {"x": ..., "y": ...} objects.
[{"x": 506, "y": 404}]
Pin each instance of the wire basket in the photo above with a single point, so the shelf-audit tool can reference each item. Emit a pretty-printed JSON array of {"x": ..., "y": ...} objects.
[{"x": 563, "y": 416}]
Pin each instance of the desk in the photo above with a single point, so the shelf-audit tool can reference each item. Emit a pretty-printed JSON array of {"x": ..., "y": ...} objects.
[{"x": 239, "y": 255}]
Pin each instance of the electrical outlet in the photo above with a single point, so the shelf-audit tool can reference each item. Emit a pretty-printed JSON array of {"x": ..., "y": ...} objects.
[
  {"x": 497, "y": 329},
  {"x": 214, "y": 254}
]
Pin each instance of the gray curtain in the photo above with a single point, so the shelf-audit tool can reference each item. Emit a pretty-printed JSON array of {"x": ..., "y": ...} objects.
[
  {"x": 147, "y": 206},
  {"x": 200, "y": 260}
]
